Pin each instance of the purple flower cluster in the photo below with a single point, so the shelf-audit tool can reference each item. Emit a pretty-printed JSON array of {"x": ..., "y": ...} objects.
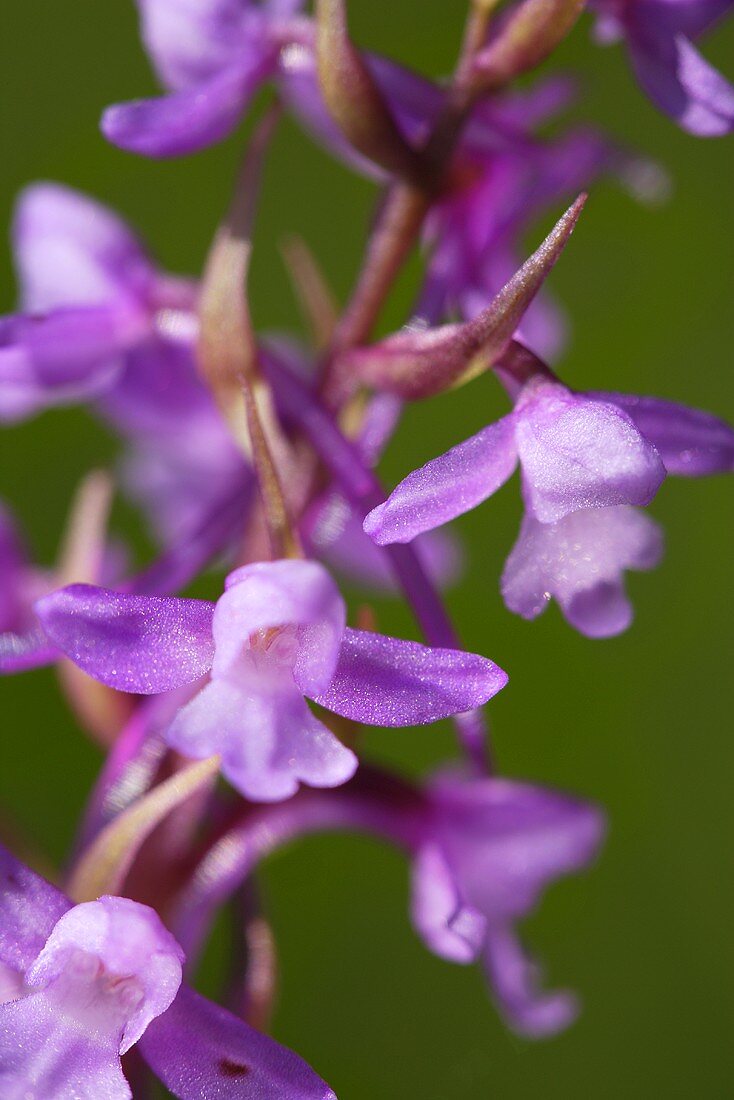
[{"x": 255, "y": 457}]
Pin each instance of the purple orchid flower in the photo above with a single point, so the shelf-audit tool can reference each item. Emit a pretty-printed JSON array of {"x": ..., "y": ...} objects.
[
  {"x": 482, "y": 853},
  {"x": 86, "y": 983},
  {"x": 584, "y": 459},
  {"x": 276, "y": 637},
  {"x": 212, "y": 57},
  {"x": 98, "y": 315},
  {"x": 575, "y": 452},
  {"x": 491, "y": 846},
  {"x": 668, "y": 67},
  {"x": 80, "y": 265}
]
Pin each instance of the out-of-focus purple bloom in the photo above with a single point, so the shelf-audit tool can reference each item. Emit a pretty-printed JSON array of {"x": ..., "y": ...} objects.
[
  {"x": 276, "y": 637},
  {"x": 491, "y": 848},
  {"x": 92, "y": 981},
  {"x": 575, "y": 452},
  {"x": 580, "y": 561},
  {"x": 80, "y": 265},
  {"x": 61, "y": 358},
  {"x": 482, "y": 850},
  {"x": 212, "y": 56},
  {"x": 98, "y": 314},
  {"x": 668, "y": 67}
]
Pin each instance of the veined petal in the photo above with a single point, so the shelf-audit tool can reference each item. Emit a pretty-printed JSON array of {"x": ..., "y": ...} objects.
[
  {"x": 691, "y": 443},
  {"x": 142, "y": 644},
  {"x": 199, "y": 1049},
  {"x": 186, "y": 121},
  {"x": 390, "y": 682},
  {"x": 448, "y": 486}
]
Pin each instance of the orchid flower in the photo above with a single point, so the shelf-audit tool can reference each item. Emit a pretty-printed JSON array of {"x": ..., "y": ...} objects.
[
  {"x": 490, "y": 848},
  {"x": 95, "y": 980},
  {"x": 585, "y": 459},
  {"x": 276, "y": 637}
]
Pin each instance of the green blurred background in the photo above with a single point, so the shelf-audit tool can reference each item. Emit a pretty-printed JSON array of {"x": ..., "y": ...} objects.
[{"x": 642, "y": 723}]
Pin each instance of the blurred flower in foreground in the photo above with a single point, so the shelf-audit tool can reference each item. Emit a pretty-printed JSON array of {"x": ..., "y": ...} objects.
[
  {"x": 669, "y": 68},
  {"x": 92, "y": 981}
]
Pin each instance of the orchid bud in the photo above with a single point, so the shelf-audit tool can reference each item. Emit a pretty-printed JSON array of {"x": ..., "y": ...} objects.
[
  {"x": 420, "y": 362},
  {"x": 352, "y": 97},
  {"x": 530, "y": 34}
]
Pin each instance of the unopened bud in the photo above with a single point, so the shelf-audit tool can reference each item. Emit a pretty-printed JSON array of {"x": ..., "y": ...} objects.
[
  {"x": 530, "y": 34},
  {"x": 420, "y": 362},
  {"x": 353, "y": 98}
]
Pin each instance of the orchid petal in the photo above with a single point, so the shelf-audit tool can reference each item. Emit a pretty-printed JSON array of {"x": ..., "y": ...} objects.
[
  {"x": 141, "y": 644},
  {"x": 390, "y": 682},
  {"x": 29, "y": 908},
  {"x": 65, "y": 356},
  {"x": 199, "y": 1049},
  {"x": 576, "y": 453},
  {"x": 269, "y": 743},
  {"x": 513, "y": 978},
  {"x": 191, "y": 43},
  {"x": 71, "y": 251},
  {"x": 38, "y": 1057},
  {"x": 186, "y": 121},
  {"x": 691, "y": 443},
  {"x": 580, "y": 561},
  {"x": 450, "y": 928},
  {"x": 268, "y": 595},
  {"x": 447, "y": 486},
  {"x": 507, "y": 841},
  {"x": 680, "y": 81}
]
